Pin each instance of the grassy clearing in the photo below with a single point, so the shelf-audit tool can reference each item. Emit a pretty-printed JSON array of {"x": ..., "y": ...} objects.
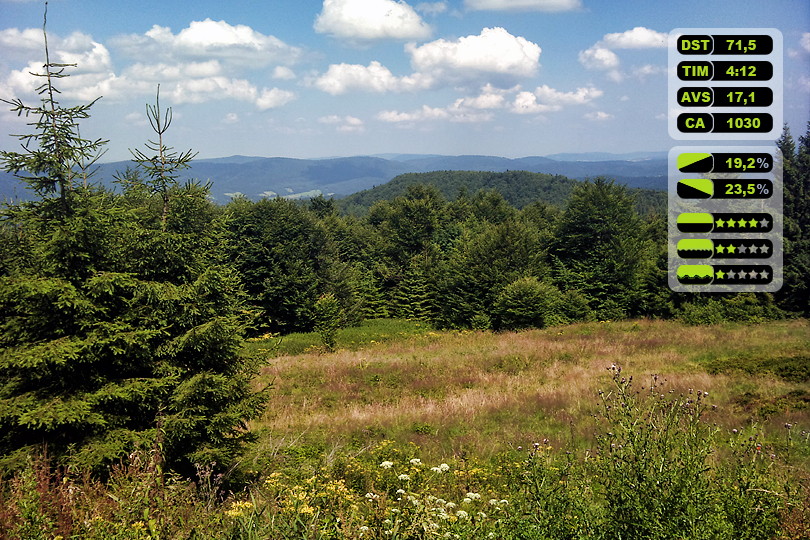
[
  {"x": 370, "y": 332},
  {"x": 634, "y": 430},
  {"x": 478, "y": 393}
]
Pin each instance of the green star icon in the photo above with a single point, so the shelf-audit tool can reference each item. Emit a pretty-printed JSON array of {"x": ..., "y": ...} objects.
[
  {"x": 720, "y": 248},
  {"x": 731, "y": 248},
  {"x": 753, "y": 222},
  {"x": 720, "y": 223},
  {"x": 741, "y": 223},
  {"x": 720, "y": 274}
]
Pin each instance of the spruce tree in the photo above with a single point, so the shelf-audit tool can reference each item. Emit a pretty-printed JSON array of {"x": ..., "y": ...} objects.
[
  {"x": 102, "y": 352},
  {"x": 795, "y": 293}
]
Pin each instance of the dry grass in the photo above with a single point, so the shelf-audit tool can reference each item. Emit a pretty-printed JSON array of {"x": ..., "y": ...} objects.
[{"x": 477, "y": 391}]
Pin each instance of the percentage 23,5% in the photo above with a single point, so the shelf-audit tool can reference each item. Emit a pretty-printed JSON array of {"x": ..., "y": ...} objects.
[{"x": 705, "y": 188}]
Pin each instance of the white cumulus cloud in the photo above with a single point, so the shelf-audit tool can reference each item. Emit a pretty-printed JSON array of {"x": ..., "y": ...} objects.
[
  {"x": 366, "y": 20},
  {"x": 493, "y": 52},
  {"x": 14, "y": 41},
  {"x": 548, "y": 95},
  {"x": 546, "y": 99},
  {"x": 494, "y": 56},
  {"x": 419, "y": 115},
  {"x": 237, "y": 45},
  {"x": 375, "y": 77},
  {"x": 598, "y": 116},
  {"x": 805, "y": 41},
  {"x": 431, "y": 8},
  {"x": 270, "y": 98},
  {"x": 523, "y": 5},
  {"x": 344, "y": 124},
  {"x": 600, "y": 56},
  {"x": 283, "y": 73},
  {"x": 637, "y": 38}
]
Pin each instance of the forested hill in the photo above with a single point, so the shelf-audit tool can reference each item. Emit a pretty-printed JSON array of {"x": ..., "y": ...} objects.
[
  {"x": 519, "y": 188},
  {"x": 258, "y": 177}
]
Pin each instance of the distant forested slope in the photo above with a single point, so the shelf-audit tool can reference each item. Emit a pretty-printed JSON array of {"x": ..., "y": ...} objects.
[{"x": 518, "y": 188}]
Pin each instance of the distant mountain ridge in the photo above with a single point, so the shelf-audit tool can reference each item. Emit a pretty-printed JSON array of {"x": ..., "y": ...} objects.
[{"x": 257, "y": 177}]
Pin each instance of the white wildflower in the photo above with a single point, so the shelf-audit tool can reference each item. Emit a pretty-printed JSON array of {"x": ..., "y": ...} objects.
[
  {"x": 387, "y": 464},
  {"x": 404, "y": 477},
  {"x": 461, "y": 514},
  {"x": 416, "y": 461}
]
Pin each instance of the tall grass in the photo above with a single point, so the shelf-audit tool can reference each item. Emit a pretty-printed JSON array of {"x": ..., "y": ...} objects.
[{"x": 638, "y": 429}]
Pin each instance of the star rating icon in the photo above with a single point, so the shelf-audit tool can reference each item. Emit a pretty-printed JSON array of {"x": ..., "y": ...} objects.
[
  {"x": 720, "y": 223},
  {"x": 764, "y": 223},
  {"x": 720, "y": 274}
]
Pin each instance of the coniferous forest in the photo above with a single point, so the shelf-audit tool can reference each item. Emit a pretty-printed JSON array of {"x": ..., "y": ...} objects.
[{"x": 142, "y": 371}]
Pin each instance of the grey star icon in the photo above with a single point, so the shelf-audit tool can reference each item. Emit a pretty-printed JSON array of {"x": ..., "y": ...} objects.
[
  {"x": 764, "y": 249},
  {"x": 764, "y": 223},
  {"x": 752, "y": 275},
  {"x": 742, "y": 249},
  {"x": 763, "y": 275},
  {"x": 754, "y": 249}
]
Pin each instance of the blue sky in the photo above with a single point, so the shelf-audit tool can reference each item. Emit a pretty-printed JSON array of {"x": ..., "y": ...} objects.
[{"x": 304, "y": 78}]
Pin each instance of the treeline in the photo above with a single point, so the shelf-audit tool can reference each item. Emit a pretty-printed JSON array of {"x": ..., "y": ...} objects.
[{"x": 518, "y": 188}]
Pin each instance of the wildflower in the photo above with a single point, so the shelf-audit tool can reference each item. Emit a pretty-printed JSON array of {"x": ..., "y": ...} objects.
[
  {"x": 466, "y": 500},
  {"x": 461, "y": 514},
  {"x": 444, "y": 467},
  {"x": 387, "y": 464},
  {"x": 371, "y": 496},
  {"x": 404, "y": 477},
  {"x": 481, "y": 515},
  {"x": 473, "y": 496},
  {"x": 364, "y": 529},
  {"x": 450, "y": 504},
  {"x": 400, "y": 492},
  {"x": 416, "y": 461},
  {"x": 493, "y": 502},
  {"x": 238, "y": 508}
]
